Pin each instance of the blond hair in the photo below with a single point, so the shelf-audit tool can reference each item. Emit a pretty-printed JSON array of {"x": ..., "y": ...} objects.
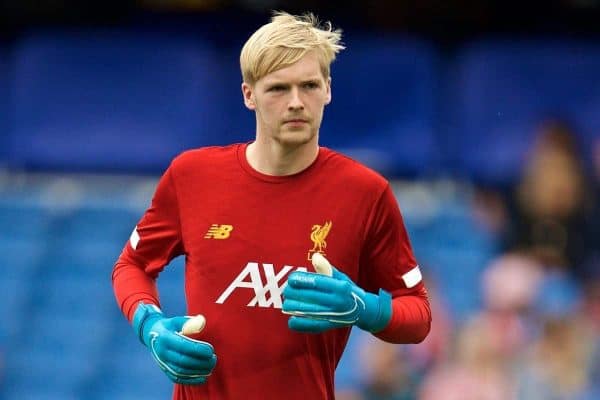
[{"x": 284, "y": 41}]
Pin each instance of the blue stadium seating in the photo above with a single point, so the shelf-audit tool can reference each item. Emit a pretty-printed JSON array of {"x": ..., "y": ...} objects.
[
  {"x": 20, "y": 257},
  {"x": 503, "y": 89},
  {"x": 383, "y": 107},
  {"x": 129, "y": 373},
  {"x": 111, "y": 100},
  {"x": 171, "y": 286},
  {"x": 15, "y": 296},
  {"x": 87, "y": 259},
  {"x": 238, "y": 123},
  {"x": 452, "y": 248},
  {"x": 23, "y": 222},
  {"x": 46, "y": 373},
  {"x": 86, "y": 225},
  {"x": 130, "y": 101},
  {"x": 76, "y": 294},
  {"x": 4, "y": 101}
]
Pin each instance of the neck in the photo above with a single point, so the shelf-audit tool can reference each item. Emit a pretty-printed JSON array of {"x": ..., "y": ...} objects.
[{"x": 271, "y": 158}]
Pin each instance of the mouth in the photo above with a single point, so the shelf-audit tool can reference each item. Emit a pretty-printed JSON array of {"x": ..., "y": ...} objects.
[{"x": 297, "y": 121}]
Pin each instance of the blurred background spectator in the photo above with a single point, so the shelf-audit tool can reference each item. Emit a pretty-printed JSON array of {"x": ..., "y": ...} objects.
[
  {"x": 485, "y": 116},
  {"x": 552, "y": 204}
]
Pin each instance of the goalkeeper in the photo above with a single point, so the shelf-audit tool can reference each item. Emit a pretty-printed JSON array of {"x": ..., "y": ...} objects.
[{"x": 287, "y": 244}]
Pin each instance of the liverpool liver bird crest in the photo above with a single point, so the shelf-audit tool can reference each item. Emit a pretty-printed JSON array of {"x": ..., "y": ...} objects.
[{"x": 317, "y": 235}]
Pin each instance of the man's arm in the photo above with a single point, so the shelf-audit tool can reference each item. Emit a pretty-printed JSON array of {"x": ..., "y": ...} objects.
[
  {"x": 330, "y": 299},
  {"x": 411, "y": 319},
  {"x": 393, "y": 266},
  {"x": 154, "y": 242},
  {"x": 389, "y": 299},
  {"x": 132, "y": 285}
]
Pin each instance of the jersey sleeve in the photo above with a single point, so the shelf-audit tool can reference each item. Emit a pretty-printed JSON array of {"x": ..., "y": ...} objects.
[
  {"x": 388, "y": 262},
  {"x": 387, "y": 259},
  {"x": 154, "y": 242}
]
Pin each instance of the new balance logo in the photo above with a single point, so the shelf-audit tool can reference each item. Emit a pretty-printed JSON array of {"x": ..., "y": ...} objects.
[
  {"x": 217, "y": 231},
  {"x": 272, "y": 287}
]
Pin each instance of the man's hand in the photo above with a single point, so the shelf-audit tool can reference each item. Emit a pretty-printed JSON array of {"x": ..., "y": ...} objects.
[
  {"x": 183, "y": 360},
  {"x": 329, "y": 299}
]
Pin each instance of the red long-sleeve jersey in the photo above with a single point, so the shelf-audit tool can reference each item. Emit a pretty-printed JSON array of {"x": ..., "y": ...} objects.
[{"x": 242, "y": 233}]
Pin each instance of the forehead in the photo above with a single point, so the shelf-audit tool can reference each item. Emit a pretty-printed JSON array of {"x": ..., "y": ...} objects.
[{"x": 307, "y": 68}]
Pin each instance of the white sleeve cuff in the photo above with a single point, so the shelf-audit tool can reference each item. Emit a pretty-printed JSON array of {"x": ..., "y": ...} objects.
[{"x": 412, "y": 277}]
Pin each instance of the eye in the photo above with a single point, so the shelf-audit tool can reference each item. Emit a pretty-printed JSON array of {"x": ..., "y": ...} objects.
[
  {"x": 311, "y": 85},
  {"x": 276, "y": 88}
]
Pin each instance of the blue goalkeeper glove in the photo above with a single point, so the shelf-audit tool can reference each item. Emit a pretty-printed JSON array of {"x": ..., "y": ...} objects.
[
  {"x": 329, "y": 299},
  {"x": 183, "y": 360}
]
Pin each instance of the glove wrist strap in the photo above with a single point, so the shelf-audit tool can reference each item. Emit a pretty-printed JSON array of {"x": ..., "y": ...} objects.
[
  {"x": 378, "y": 311},
  {"x": 145, "y": 315}
]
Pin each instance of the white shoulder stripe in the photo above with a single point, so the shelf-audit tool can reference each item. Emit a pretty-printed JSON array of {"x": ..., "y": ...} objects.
[
  {"x": 412, "y": 277},
  {"x": 134, "y": 239}
]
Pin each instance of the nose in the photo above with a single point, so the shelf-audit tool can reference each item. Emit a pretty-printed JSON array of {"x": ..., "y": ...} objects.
[{"x": 295, "y": 102}]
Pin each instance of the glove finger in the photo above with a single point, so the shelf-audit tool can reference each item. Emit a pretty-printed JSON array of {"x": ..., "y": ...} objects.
[
  {"x": 183, "y": 373},
  {"x": 301, "y": 324},
  {"x": 331, "y": 300},
  {"x": 186, "y": 379},
  {"x": 193, "y": 381},
  {"x": 309, "y": 280},
  {"x": 193, "y": 364},
  {"x": 182, "y": 344},
  {"x": 294, "y": 306},
  {"x": 347, "y": 317},
  {"x": 176, "y": 372},
  {"x": 337, "y": 274}
]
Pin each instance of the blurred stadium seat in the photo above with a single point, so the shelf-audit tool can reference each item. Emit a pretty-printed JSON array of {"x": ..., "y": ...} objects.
[
  {"x": 15, "y": 301},
  {"x": 502, "y": 91},
  {"x": 383, "y": 108},
  {"x": 111, "y": 100},
  {"x": 4, "y": 100},
  {"x": 128, "y": 372},
  {"x": 48, "y": 373},
  {"x": 452, "y": 247},
  {"x": 238, "y": 122},
  {"x": 24, "y": 222}
]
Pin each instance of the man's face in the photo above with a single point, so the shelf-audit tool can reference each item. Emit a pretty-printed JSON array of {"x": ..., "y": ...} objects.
[{"x": 289, "y": 102}]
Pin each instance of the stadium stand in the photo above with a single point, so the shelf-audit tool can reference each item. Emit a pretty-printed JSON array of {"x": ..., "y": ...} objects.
[
  {"x": 502, "y": 90},
  {"x": 383, "y": 108},
  {"x": 117, "y": 100},
  {"x": 4, "y": 101}
]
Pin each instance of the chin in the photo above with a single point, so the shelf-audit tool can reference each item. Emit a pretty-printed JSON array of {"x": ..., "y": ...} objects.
[{"x": 296, "y": 138}]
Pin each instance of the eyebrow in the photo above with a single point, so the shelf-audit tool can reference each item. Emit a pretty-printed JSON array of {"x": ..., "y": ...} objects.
[{"x": 284, "y": 83}]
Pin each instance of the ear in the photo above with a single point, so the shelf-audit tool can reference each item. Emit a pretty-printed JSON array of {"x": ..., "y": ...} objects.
[
  {"x": 328, "y": 88},
  {"x": 248, "y": 93}
]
